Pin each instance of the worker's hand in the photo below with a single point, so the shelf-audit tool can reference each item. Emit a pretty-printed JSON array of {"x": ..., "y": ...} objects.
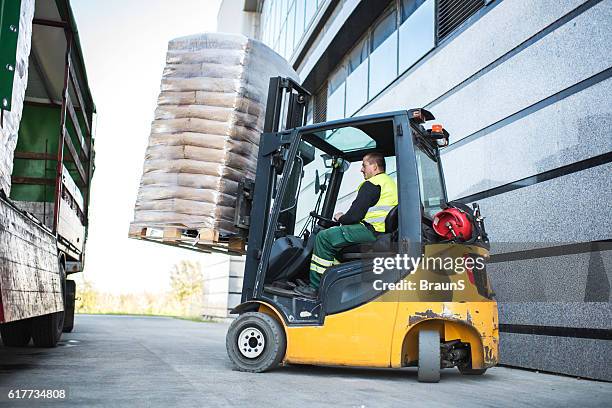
[{"x": 338, "y": 215}]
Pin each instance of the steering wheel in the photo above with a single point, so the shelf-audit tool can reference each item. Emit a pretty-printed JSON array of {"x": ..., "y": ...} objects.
[{"x": 324, "y": 222}]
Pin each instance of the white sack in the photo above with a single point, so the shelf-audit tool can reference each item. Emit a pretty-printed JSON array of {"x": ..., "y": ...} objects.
[{"x": 205, "y": 135}]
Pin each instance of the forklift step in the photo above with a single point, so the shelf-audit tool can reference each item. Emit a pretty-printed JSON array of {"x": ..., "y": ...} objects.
[{"x": 202, "y": 240}]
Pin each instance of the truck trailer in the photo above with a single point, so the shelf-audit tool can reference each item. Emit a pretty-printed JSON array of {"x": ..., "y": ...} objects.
[{"x": 47, "y": 106}]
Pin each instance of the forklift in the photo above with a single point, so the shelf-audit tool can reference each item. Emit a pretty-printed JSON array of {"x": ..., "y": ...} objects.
[{"x": 428, "y": 315}]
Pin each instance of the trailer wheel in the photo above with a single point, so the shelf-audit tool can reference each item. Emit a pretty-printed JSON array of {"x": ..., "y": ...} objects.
[
  {"x": 255, "y": 342},
  {"x": 69, "y": 306},
  {"x": 16, "y": 334},
  {"x": 47, "y": 329},
  {"x": 429, "y": 356}
]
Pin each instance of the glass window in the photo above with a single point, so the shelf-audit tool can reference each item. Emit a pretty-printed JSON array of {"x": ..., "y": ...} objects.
[
  {"x": 335, "y": 103},
  {"x": 308, "y": 198},
  {"x": 430, "y": 182},
  {"x": 269, "y": 28},
  {"x": 384, "y": 28},
  {"x": 408, "y": 7},
  {"x": 336, "y": 93},
  {"x": 311, "y": 10},
  {"x": 347, "y": 139},
  {"x": 310, "y": 112},
  {"x": 278, "y": 21},
  {"x": 337, "y": 78},
  {"x": 356, "y": 88},
  {"x": 300, "y": 6},
  {"x": 265, "y": 32},
  {"x": 283, "y": 10},
  {"x": 383, "y": 56},
  {"x": 353, "y": 177},
  {"x": 274, "y": 25},
  {"x": 358, "y": 55},
  {"x": 417, "y": 32},
  {"x": 290, "y": 30},
  {"x": 282, "y": 43}
]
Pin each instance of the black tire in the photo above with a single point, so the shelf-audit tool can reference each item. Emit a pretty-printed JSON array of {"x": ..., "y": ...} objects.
[
  {"x": 429, "y": 356},
  {"x": 16, "y": 334},
  {"x": 69, "y": 306},
  {"x": 470, "y": 371},
  {"x": 256, "y": 356},
  {"x": 47, "y": 329}
]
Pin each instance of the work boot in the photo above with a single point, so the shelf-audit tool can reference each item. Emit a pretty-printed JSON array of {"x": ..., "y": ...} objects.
[{"x": 306, "y": 290}]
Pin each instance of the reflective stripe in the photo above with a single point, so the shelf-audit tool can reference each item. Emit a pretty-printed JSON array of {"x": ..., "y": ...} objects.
[
  {"x": 336, "y": 262},
  {"x": 316, "y": 268},
  {"x": 375, "y": 219},
  {"x": 321, "y": 261},
  {"x": 381, "y": 208}
]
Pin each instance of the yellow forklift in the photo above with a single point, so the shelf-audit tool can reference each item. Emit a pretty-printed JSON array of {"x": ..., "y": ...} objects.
[{"x": 384, "y": 304}]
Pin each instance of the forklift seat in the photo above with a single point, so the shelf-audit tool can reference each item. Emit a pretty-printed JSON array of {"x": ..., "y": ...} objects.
[
  {"x": 290, "y": 255},
  {"x": 381, "y": 247}
]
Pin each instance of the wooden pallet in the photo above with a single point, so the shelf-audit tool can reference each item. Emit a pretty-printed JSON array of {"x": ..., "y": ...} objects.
[{"x": 203, "y": 240}]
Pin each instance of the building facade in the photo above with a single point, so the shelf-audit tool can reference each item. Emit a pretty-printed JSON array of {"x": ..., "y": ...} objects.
[{"x": 524, "y": 89}]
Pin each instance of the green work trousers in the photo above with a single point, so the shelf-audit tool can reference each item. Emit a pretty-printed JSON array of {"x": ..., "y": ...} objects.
[{"x": 329, "y": 242}]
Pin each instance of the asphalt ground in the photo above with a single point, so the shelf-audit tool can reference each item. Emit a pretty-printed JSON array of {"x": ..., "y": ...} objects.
[{"x": 131, "y": 361}]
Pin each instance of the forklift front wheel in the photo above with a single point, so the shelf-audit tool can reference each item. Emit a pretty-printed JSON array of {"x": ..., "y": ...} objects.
[
  {"x": 429, "y": 356},
  {"x": 255, "y": 342}
]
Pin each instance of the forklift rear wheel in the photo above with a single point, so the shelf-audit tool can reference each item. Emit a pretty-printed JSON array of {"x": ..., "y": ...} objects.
[
  {"x": 255, "y": 342},
  {"x": 16, "y": 334},
  {"x": 429, "y": 356},
  {"x": 472, "y": 371}
]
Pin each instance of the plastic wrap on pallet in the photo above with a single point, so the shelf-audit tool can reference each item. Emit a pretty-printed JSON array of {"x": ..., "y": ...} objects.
[
  {"x": 205, "y": 135},
  {"x": 11, "y": 119}
]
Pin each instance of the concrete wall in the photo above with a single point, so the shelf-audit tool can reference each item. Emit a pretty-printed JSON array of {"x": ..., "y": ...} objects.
[{"x": 524, "y": 89}]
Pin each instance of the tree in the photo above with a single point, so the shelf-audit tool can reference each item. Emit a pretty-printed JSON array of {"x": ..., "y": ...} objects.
[
  {"x": 186, "y": 281},
  {"x": 87, "y": 298}
]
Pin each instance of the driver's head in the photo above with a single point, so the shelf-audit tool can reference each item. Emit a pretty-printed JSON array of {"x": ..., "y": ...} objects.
[{"x": 372, "y": 164}]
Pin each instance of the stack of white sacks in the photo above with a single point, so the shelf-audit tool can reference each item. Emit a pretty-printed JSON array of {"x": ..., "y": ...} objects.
[
  {"x": 206, "y": 131},
  {"x": 11, "y": 118}
]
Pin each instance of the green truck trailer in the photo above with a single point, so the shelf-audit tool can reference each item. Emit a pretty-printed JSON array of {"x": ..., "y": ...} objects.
[{"x": 46, "y": 166}]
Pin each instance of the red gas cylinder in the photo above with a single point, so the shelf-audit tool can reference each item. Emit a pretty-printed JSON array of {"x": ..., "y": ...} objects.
[{"x": 452, "y": 223}]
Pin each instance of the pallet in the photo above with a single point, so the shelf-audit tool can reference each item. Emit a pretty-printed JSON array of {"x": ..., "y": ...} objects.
[{"x": 203, "y": 240}]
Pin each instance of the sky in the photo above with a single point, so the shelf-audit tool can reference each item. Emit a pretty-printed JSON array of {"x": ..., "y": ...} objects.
[{"x": 124, "y": 45}]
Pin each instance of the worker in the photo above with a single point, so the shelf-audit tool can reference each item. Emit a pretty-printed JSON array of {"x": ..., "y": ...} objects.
[{"x": 376, "y": 196}]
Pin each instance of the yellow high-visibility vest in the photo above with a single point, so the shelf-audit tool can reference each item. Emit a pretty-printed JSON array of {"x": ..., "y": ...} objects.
[{"x": 388, "y": 199}]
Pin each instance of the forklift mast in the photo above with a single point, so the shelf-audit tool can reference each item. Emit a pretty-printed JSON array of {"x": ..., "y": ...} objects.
[
  {"x": 284, "y": 94},
  {"x": 288, "y": 98}
]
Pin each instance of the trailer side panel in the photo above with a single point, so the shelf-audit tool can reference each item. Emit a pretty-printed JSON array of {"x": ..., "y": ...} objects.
[{"x": 30, "y": 283}]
